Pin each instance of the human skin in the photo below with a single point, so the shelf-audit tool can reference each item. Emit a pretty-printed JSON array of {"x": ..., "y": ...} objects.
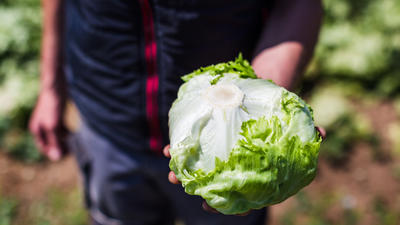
[{"x": 46, "y": 123}]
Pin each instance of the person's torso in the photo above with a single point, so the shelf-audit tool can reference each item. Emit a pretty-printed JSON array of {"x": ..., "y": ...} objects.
[{"x": 124, "y": 58}]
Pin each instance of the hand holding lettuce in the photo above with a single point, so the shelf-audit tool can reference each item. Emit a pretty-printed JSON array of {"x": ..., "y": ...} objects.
[{"x": 240, "y": 142}]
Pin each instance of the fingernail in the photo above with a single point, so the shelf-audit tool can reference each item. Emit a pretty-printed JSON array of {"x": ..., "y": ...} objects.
[{"x": 54, "y": 155}]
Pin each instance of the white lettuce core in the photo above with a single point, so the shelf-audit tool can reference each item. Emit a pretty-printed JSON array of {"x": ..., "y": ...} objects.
[{"x": 224, "y": 96}]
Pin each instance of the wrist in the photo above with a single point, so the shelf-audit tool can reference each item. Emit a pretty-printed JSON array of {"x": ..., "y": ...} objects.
[
  {"x": 56, "y": 88},
  {"x": 52, "y": 74},
  {"x": 54, "y": 83}
]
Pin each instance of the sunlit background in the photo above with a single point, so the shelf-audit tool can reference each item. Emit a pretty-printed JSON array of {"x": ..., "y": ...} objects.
[{"x": 353, "y": 85}]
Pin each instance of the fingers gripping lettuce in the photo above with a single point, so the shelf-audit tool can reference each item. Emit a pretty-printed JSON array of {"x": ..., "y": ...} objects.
[{"x": 240, "y": 142}]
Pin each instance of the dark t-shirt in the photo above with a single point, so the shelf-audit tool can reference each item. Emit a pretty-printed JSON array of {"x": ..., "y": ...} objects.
[{"x": 124, "y": 58}]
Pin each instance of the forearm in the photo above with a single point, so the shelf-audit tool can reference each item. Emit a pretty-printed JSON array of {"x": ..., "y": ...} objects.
[
  {"x": 52, "y": 46},
  {"x": 287, "y": 41}
]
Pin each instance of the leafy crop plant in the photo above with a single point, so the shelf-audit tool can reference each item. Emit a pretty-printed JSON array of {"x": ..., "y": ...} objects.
[{"x": 238, "y": 141}]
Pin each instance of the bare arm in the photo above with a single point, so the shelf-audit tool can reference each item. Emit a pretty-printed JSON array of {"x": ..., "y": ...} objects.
[
  {"x": 52, "y": 43},
  {"x": 46, "y": 120},
  {"x": 287, "y": 41}
]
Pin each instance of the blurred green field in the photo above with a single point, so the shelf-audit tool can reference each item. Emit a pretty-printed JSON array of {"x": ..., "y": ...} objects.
[{"x": 352, "y": 83}]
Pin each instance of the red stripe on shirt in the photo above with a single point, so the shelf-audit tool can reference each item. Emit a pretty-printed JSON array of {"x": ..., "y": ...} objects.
[{"x": 152, "y": 76}]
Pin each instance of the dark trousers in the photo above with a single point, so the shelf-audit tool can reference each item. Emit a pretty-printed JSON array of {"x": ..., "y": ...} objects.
[{"x": 131, "y": 188}]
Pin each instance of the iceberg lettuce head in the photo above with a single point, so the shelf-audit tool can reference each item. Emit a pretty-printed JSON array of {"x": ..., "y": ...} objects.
[{"x": 240, "y": 142}]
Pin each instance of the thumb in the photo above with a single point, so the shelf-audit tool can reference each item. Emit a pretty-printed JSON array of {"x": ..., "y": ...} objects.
[{"x": 322, "y": 132}]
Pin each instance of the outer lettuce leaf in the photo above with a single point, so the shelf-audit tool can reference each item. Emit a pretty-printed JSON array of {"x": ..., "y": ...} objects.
[
  {"x": 239, "y": 66},
  {"x": 243, "y": 158}
]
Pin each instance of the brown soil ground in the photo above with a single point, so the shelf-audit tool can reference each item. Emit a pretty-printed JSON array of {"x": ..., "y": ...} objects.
[{"x": 31, "y": 183}]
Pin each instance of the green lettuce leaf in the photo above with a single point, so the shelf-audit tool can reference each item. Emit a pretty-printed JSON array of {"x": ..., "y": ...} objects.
[{"x": 240, "y": 66}]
